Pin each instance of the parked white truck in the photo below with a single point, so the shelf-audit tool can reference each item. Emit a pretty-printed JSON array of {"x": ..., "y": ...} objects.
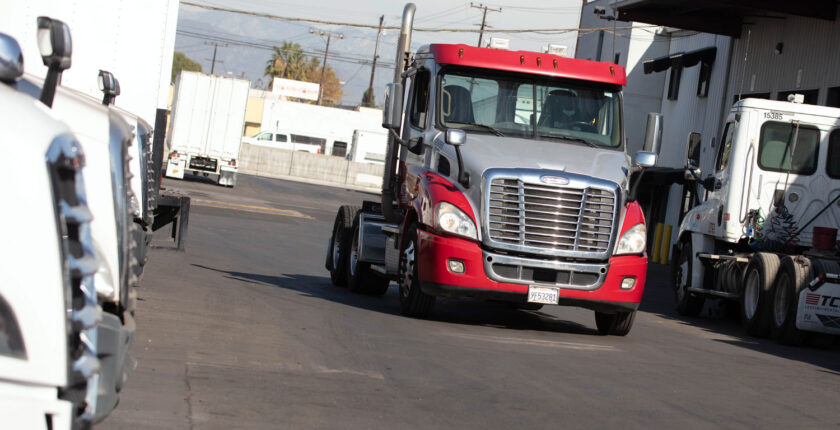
[
  {"x": 49, "y": 316},
  {"x": 368, "y": 147},
  {"x": 283, "y": 140},
  {"x": 766, "y": 234},
  {"x": 205, "y": 131}
]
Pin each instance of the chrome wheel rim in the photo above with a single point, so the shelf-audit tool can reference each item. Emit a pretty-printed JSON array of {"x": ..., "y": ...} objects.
[
  {"x": 407, "y": 269},
  {"x": 682, "y": 276},
  {"x": 354, "y": 255},
  {"x": 751, "y": 294},
  {"x": 336, "y": 245},
  {"x": 781, "y": 302}
]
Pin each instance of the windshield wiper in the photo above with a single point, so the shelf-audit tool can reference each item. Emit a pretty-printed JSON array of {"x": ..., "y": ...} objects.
[
  {"x": 571, "y": 138},
  {"x": 485, "y": 127}
]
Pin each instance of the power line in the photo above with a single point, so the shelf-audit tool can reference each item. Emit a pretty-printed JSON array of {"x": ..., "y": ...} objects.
[
  {"x": 215, "y": 46},
  {"x": 345, "y": 58},
  {"x": 483, "y": 18},
  {"x": 393, "y": 27}
]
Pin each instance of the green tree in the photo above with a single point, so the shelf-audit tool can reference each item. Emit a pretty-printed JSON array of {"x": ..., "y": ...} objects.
[
  {"x": 290, "y": 62},
  {"x": 182, "y": 62},
  {"x": 368, "y": 99}
]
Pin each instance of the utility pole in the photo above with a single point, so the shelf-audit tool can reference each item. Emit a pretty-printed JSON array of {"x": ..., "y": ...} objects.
[
  {"x": 324, "y": 66},
  {"x": 215, "y": 46},
  {"x": 370, "y": 100},
  {"x": 483, "y": 18}
]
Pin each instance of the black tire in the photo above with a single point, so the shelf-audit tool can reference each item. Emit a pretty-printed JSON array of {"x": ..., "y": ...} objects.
[
  {"x": 615, "y": 324},
  {"x": 687, "y": 304},
  {"x": 339, "y": 243},
  {"x": 413, "y": 302},
  {"x": 793, "y": 275},
  {"x": 361, "y": 278},
  {"x": 757, "y": 295}
]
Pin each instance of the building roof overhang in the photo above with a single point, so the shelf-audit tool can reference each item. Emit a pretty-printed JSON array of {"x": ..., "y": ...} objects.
[{"x": 726, "y": 17}]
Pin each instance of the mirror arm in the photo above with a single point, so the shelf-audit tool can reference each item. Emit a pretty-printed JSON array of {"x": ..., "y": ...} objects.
[{"x": 463, "y": 176}]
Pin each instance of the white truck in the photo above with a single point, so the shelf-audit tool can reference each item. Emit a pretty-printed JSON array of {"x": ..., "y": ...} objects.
[
  {"x": 765, "y": 235},
  {"x": 205, "y": 132},
  {"x": 112, "y": 214},
  {"x": 283, "y": 140},
  {"x": 49, "y": 316},
  {"x": 368, "y": 147}
]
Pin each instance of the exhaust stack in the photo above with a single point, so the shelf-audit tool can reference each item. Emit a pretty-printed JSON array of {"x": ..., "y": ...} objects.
[{"x": 392, "y": 152}]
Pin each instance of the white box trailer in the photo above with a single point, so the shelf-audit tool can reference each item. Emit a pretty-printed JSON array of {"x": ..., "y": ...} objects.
[
  {"x": 205, "y": 131},
  {"x": 368, "y": 147}
]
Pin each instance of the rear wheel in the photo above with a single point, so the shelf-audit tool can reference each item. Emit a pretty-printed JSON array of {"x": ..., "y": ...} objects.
[
  {"x": 339, "y": 244},
  {"x": 687, "y": 303},
  {"x": 756, "y": 301},
  {"x": 360, "y": 277},
  {"x": 615, "y": 324},
  {"x": 792, "y": 277},
  {"x": 413, "y": 302}
]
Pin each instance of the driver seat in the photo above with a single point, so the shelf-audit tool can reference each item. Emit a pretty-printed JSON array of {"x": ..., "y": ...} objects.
[
  {"x": 460, "y": 105},
  {"x": 552, "y": 109}
]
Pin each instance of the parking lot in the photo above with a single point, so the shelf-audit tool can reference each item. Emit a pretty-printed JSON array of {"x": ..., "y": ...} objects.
[{"x": 245, "y": 330}]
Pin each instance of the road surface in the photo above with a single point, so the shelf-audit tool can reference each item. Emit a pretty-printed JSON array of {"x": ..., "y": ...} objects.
[{"x": 245, "y": 331}]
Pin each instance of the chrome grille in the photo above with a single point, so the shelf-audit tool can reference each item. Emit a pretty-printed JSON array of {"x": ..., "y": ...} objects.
[{"x": 548, "y": 217}]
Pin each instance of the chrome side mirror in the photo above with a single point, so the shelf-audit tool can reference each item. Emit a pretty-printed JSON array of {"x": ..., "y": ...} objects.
[
  {"x": 653, "y": 133},
  {"x": 392, "y": 112},
  {"x": 646, "y": 158},
  {"x": 109, "y": 85},
  {"x": 456, "y": 137},
  {"x": 56, "y": 48},
  {"x": 11, "y": 59}
]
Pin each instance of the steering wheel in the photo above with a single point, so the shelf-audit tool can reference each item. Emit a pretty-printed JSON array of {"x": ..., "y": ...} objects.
[{"x": 584, "y": 126}]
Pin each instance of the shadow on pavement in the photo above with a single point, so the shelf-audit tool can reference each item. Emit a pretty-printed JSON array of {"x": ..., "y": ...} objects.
[
  {"x": 659, "y": 300},
  {"x": 461, "y": 312}
]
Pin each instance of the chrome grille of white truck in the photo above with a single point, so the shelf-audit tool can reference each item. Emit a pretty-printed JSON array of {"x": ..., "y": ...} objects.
[{"x": 550, "y": 217}]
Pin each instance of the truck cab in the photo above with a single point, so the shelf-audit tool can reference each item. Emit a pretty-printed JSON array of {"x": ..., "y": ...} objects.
[
  {"x": 769, "y": 220},
  {"x": 510, "y": 182}
]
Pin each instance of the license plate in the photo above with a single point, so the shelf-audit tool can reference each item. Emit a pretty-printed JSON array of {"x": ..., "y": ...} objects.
[{"x": 547, "y": 295}]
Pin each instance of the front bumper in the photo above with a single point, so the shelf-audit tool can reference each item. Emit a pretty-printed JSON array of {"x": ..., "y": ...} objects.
[{"x": 598, "y": 286}]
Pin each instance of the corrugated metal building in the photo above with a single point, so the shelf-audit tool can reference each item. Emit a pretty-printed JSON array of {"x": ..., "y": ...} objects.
[{"x": 759, "y": 51}]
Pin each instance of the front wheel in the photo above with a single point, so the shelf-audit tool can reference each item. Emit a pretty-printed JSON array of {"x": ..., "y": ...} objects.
[
  {"x": 413, "y": 301},
  {"x": 615, "y": 324},
  {"x": 687, "y": 303}
]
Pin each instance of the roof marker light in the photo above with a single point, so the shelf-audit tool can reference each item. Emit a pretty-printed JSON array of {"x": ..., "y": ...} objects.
[
  {"x": 460, "y": 52},
  {"x": 539, "y": 62},
  {"x": 555, "y": 63},
  {"x": 522, "y": 60}
]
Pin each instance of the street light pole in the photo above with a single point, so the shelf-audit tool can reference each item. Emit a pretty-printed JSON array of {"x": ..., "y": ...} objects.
[{"x": 324, "y": 66}]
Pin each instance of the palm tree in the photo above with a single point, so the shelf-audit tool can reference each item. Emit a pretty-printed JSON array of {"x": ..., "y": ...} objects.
[{"x": 287, "y": 61}]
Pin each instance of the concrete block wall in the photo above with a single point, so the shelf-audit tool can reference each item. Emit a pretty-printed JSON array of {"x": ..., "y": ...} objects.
[{"x": 304, "y": 166}]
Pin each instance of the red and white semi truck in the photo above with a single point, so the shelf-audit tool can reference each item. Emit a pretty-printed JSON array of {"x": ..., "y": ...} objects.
[{"x": 506, "y": 178}]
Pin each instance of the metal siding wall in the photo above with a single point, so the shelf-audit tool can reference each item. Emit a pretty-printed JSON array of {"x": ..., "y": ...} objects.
[{"x": 809, "y": 45}]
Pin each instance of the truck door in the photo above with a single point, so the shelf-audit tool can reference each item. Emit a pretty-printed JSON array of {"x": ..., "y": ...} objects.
[
  {"x": 787, "y": 159},
  {"x": 417, "y": 119},
  {"x": 720, "y": 191}
]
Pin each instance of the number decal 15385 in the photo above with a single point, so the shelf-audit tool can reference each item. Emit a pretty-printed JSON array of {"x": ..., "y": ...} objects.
[{"x": 773, "y": 115}]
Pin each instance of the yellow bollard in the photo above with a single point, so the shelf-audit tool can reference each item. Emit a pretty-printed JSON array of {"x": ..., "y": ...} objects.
[
  {"x": 657, "y": 241},
  {"x": 666, "y": 245}
]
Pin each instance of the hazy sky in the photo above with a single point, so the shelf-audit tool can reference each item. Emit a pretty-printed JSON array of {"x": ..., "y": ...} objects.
[{"x": 196, "y": 24}]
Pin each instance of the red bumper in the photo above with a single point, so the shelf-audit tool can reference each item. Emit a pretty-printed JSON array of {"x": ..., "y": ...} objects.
[{"x": 436, "y": 278}]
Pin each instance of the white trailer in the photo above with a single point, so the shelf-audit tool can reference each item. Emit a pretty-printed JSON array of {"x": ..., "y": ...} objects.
[
  {"x": 368, "y": 147},
  {"x": 765, "y": 236},
  {"x": 205, "y": 132}
]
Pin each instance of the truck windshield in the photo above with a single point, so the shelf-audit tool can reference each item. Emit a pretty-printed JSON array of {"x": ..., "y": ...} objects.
[{"x": 524, "y": 106}]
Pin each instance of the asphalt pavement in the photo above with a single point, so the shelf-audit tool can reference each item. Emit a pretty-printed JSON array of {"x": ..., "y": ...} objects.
[{"x": 245, "y": 331}]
